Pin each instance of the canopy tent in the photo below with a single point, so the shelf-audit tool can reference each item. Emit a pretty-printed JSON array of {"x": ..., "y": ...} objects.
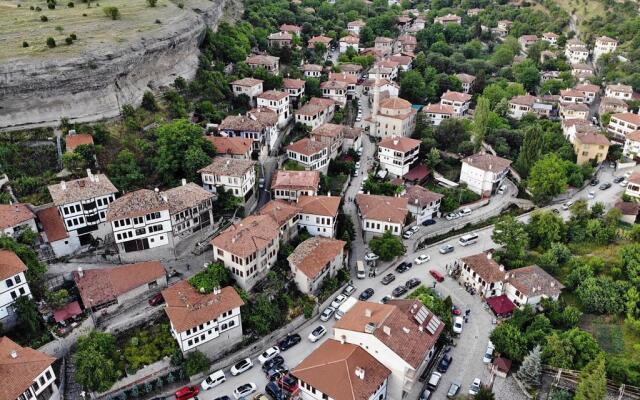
[{"x": 501, "y": 305}]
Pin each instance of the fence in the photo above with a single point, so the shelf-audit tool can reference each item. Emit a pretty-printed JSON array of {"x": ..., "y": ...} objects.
[{"x": 568, "y": 379}]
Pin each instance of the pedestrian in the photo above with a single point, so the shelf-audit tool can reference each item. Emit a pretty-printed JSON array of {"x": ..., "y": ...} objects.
[{"x": 188, "y": 267}]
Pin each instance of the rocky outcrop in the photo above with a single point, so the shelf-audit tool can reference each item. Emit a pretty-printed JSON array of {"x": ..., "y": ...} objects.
[{"x": 94, "y": 85}]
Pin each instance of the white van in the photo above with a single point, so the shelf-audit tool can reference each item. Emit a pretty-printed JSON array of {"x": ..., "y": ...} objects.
[
  {"x": 213, "y": 380},
  {"x": 361, "y": 273}
]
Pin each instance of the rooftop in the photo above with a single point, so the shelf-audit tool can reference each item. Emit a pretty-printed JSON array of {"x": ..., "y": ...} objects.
[
  {"x": 319, "y": 205},
  {"x": 136, "y": 204},
  {"x": 280, "y": 210},
  {"x": 81, "y": 189},
  {"x": 78, "y": 139},
  {"x": 309, "y": 180},
  {"x": 186, "y": 196},
  {"x": 417, "y": 195},
  {"x": 52, "y": 224},
  {"x": 223, "y": 166},
  {"x": 329, "y": 130},
  {"x": 620, "y": 88},
  {"x": 524, "y": 100},
  {"x": 293, "y": 83},
  {"x": 312, "y": 255},
  {"x": 10, "y": 264},
  {"x": 231, "y": 145},
  {"x": 466, "y": 78},
  {"x": 312, "y": 67},
  {"x": 240, "y": 123},
  {"x": 628, "y": 117},
  {"x": 488, "y": 162},
  {"x": 400, "y": 143},
  {"x": 455, "y": 96},
  {"x": 485, "y": 266},
  {"x": 592, "y": 138},
  {"x": 273, "y": 95},
  {"x": 395, "y": 103},
  {"x": 533, "y": 281},
  {"x": 306, "y": 146},
  {"x": 382, "y": 208},
  {"x": 247, "y": 82},
  {"x": 439, "y": 109},
  {"x": 251, "y": 234},
  {"x": 14, "y": 214},
  {"x": 259, "y": 59},
  {"x": 18, "y": 373}
]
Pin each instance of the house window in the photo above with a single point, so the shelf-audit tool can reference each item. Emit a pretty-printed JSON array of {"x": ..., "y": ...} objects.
[
  {"x": 9, "y": 283},
  {"x": 17, "y": 278}
]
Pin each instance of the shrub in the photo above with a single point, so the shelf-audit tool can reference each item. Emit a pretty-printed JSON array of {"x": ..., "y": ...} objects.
[
  {"x": 59, "y": 28},
  {"x": 25, "y": 44},
  {"x": 180, "y": 5},
  {"x": 152, "y": 3},
  {"x": 111, "y": 12},
  {"x": 68, "y": 40},
  {"x": 70, "y": 4},
  {"x": 38, "y": 9},
  {"x": 31, "y": 8},
  {"x": 196, "y": 362},
  {"x": 73, "y": 36},
  {"x": 51, "y": 42},
  {"x": 158, "y": 21},
  {"x": 44, "y": 18}
]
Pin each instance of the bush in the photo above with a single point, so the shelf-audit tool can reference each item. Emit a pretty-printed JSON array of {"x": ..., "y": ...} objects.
[
  {"x": 216, "y": 275},
  {"x": 111, "y": 12},
  {"x": 152, "y": 3},
  {"x": 44, "y": 18},
  {"x": 73, "y": 36},
  {"x": 70, "y": 4},
  {"x": 196, "y": 362},
  {"x": 51, "y": 43},
  {"x": 68, "y": 40},
  {"x": 25, "y": 44}
]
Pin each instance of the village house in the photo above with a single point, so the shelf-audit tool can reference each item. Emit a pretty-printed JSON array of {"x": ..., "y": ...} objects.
[
  {"x": 484, "y": 173},
  {"x": 248, "y": 248},
  {"x": 312, "y": 70},
  {"x": 405, "y": 44},
  {"x": 384, "y": 44},
  {"x": 551, "y": 38},
  {"x": 335, "y": 90},
  {"x": 610, "y": 105},
  {"x": 355, "y": 26},
  {"x": 467, "y": 82},
  {"x": 26, "y": 373},
  {"x": 269, "y": 63},
  {"x": 521, "y": 105},
  {"x": 631, "y": 148},
  {"x": 322, "y": 40},
  {"x": 423, "y": 204},
  {"x": 436, "y": 113},
  {"x": 13, "y": 285},
  {"x": 295, "y": 90},
  {"x": 573, "y": 127},
  {"x": 448, "y": 19},
  {"x": 360, "y": 375},
  {"x": 209, "y": 322},
  {"x": 618, "y": 91},
  {"x": 351, "y": 69},
  {"x": 315, "y": 112},
  {"x": 527, "y": 41},
  {"x": 290, "y": 185},
  {"x": 248, "y": 86},
  {"x": 269, "y": 120},
  {"x": 590, "y": 146},
  {"x": 572, "y": 96},
  {"x": 292, "y": 29},
  {"x": 348, "y": 41},
  {"x": 15, "y": 219},
  {"x": 382, "y": 213},
  {"x": 529, "y": 285},
  {"x": 391, "y": 116},
  {"x": 459, "y": 101},
  {"x": 319, "y": 214},
  {"x": 483, "y": 273},
  {"x": 403, "y": 62},
  {"x": 378, "y": 72},
  {"x": 280, "y": 39},
  {"x": 83, "y": 203},
  {"x": 350, "y": 79},
  {"x": 629, "y": 210},
  {"x": 107, "y": 288},
  {"x": 397, "y": 153},
  {"x": 589, "y": 91},
  {"x": 73, "y": 140},
  {"x": 401, "y": 335},
  {"x": 276, "y": 101},
  {"x": 576, "y": 51},
  {"x": 620, "y": 125},
  {"x": 310, "y": 153},
  {"x": 191, "y": 209},
  {"x": 604, "y": 45},
  {"x": 331, "y": 135},
  {"x": 574, "y": 111},
  {"x": 232, "y": 147},
  {"x": 233, "y": 175},
  {"x": 473, "y": 12},
  {"x": 633, "y": 186},
  {"x": 315, "y": 260},
  {"x": 386, "y": 88},
  {"x": 55, "y": 233},
  {"x": 247, "y": 127},
  {"x": 285, "y": 215},
  {"x": 581, "y": 71}
]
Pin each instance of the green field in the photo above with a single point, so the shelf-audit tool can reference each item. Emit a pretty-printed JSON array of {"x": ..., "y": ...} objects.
[
  {"x": 584, "y": 9},
  {"x": 18, "y": 24}
]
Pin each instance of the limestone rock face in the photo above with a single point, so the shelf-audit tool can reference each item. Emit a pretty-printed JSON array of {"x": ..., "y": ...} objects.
[{"x": 94, "y": 84}]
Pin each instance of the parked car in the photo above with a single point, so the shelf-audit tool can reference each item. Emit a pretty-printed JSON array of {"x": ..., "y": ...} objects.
[
  {"x": 594, "y": 182},
  {"x": 327, "y": 313},
  {"x": 436, "y": 275},
  {"x": 592, "y": 194},
  {"x": 157, "y": 299},
  {"x": 366, "y": 294},
  {"x": 371, "y": 257},
  {"x": 268, "y": 354},
  {"x": 624, "y": 183},
  {"x": 276, "y": 361},
  {"x": 289, "y": 341},
  {"x": 605, "y": 186},
  {"x": 288, "y": 383},
  {"x": 618, "y": 179},
  {"x": 213, "y": 380},
  {"x": 388, "y": 278},
  {"x": 317, "y": 333},
  {"x": 411, "y": 283},
  {"x": 446, "y": 248},
  {"x": 385, "y": 299},
  {"x": 465, "y": 212},
  {"x": 408, "y": 234},
  {"x": 453, "y": 389},
  {"x": 276, "y": 372},
  {"x": 422, "y": 258},
  {"x": 434, "y": 380},
  {"x": 428, "y": 222},
  {"x": 187, "y": 392},
  {"x": 425, "y": 395},
  {"x": 349, "y": 290},
  {"x": 225, "y": 397},
  {"x": 260, "y": 396},
  {"x": 274, "y": 391},
  {"x": 399, "y": 291},
  {"x": 455, "y": 310},
  {"x": 338, "y": 300},
  {"x": 474, "y": 388},
  {"x": 488, "y": 353},
  {"x": 457, "y": 325},
  {"x": 244, "y": 390},
  {"x": 451, "y": 216},
  {"x": 241, "y": 366},
  {"x": 403, "y": 267},
  {"x": 444, "y": 363}
]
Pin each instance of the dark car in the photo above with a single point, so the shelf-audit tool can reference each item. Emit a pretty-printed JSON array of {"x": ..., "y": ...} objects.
[
  {"x": 223, "y": 398},
  {"x": 288, "y": 383},
  {"x": 388, "y": 279},
  {"x": 403, "y": 267},
  {"x": 289, "y": 341},
  {"x": 274, "y": 391},
  {"x": 445, "y": 363},
  {"x": 276, "y": 373},
  {"x": 425, "y": 395},
  {"x": 428, "y": 222},
  {"x": 276, "y": 361},
  {"x": 366, "y": 294},
  {"x": 399, "y": 291},
  {"x": 411, "y": 283},
  {"x": 157, "y": 299},
  {"x": 594, "y": 182},
  {"x": 605, "y": 186},
  {"x": 618, "y": 179}
]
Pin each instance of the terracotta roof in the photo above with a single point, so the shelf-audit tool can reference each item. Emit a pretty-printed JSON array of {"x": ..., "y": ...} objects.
[
  {"x": 17, "y": 374},
  {"x": 240, "y": 123},
  {"x": 14, "y": 214},
  {"x": 312, "y": 67},
  {"x": 280, "y": 210},
  {"x": 550, "y": 35},
  {"x": 456, "y": 96},
  {"x": 581, "y": 66},
  {"x": 400, "y": 143},
  {"x": 382, "y": 39},
  {"x": 280, "y": 36},
  {"x": 592, "y": 138},
  {"x": 293, "y": 83},
  {"x": 628, "y": 117},
  {"x": 326, "y": 103},
  {"x": 273, "y": 95},
  {"x": 230, "y": 145},
  {"x": 344, "y": 77},
  {"x": 334, "y": 84},
  {"x": 407, "y": 39},
  {"x": 312, "y": 255},
  {"x": 528, "y": 38},
  {"x": 417, "y": 173},
  {"x": 382, "y": 208},
  {"x": 136, "y": 204},
  {"x": 576, "y": 107},
  {"x": 81, "y": 189},
  {"x": 628, "y": 207},
  {"x": 359, "y": 23},
  {"x": 309, "y": 180},
  {"x": 566, "y": 123},
  {"x": 331, "y": 369},
  {"x": 52, "y": 224},
  {"x": 614, "y": 101},
  {"x": 396, "y": 326},
  {"x": 399, "y": 59},
  {"x": 620, "y": 88},
  {"x": 487, "y": 268},
  {"x": 259, "y": 59},
  {"x": 466, "y": 78},
  {"x": 571, "y": 93},
  {"x": 318, "y": 39},
  {"x": 10, "y": 264},
  {"x": 606, "y": 39},
  {"x": 352, "y": 133},
  {"x": 388, "y": 63},
  {"x": 265, "y": 116},
  {"x": 488, "y": 162},
  {"x": 101, "y": 285},
  {"x": 350, "y": 39},
  {"x": 587, "y": 87},
  {"x": 248, "y": 236},
  {"x": 439, "y": 109},
  {"x": 311, "y": 109},
  {"x": 306, "y": 146},
  {"x": 634, "y": 136},
  {"x": 350, "y": 67},
  {"x": 186, "y": 196},
  {"x": 319, "y": 205},
  {"x": 395, "y": 103},
  {"x": 186, "y": 307},
  {"x": 247, "y": 82},
  {"x": 73, "y": 141},
  {"x": 533, "y": 281},
  {"x": 635, "y": 178},
  {"x": 523, "y": 100},
  {"x": 328, "y": 130},
  {"x": 228, "y": 167},
  {"x": 417, "y": 195},
  {"x": 290, "y": 28}
]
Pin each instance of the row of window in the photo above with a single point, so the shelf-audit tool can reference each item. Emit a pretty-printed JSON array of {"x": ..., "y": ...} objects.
[
  {"x": 10, "y": 282},
  {"x": 15, "y": 295},
  {"x": 75, "y": 221},
  {"x": 376, "y": 225},
  {"x": 201, "y": 338}
]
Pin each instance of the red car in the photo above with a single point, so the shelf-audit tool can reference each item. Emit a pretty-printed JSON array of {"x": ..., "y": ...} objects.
[
  {"x": 436, "y": 275},
  {"x": 187, "y": 392},
  {"x": 455, "y": 310},
  {"x": 157, "y": 299}
]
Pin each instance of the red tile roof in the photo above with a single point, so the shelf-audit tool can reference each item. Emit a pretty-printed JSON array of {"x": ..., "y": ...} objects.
[
  {"x": 486, "y": 267},
  {"x": 312, "y": 255},
  {"x": 456, "y": 96},
  {"x": 17, "y": 374},
  {"x": 293, "y": 83},
  {"x": 53, "y": 224},
  {"x": 14, "y": 214},
  {"x": 251, "y": 234},
  {"x": 73, "y": 141},
  {"x": 534, "y": 281},
  {"x": 488, "y": 162},
  {"x": 280, "y": 210},
  {"x": 236, "y": 146},
  {"x": 326, "y": 206},
  {"x": 439, "y": 109},
  {"x": 400, "y": 143},
  {"x": 306, "y": 146},
  {"x": 382, "y": 208},
  {"x": 417, "y": 195},
  {"x": 304, "y": 180},
  {"x": 10, "y": 264}
]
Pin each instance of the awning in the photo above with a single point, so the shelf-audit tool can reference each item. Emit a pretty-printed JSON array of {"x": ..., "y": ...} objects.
[
  {"x": 68, "y": 311},
  {"x": 501, "y": 305}
]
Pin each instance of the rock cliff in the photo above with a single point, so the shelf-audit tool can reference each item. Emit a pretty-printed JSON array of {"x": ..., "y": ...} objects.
[{"x": 94, "y": 84}]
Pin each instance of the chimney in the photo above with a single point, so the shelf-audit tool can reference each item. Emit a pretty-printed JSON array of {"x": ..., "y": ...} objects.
[
  {"x": 552, "y": 284},
  {"x": 63, "y": 185},
  {"x": 367, "y": 313},
  {"x": 501, "y": 268},
  {"x": 386, "y": 330},
  {"x": 395, "y": 141},
  {"x": 71, "y": 132},
  {"x": 164, "y": 197},
  {"x": 14, "y": 354},
  {"x": 156, "y": 190},
  {"x": 489, "y": 255},
  {"x": 329, "y": 193},
  {"x": 405, "y": 329},
  {"x": 89, "y": 174},
  {"x": 80, "y": 272},
  {"x": 360, "y": 373},
  {"x": 184, "y": 182}
]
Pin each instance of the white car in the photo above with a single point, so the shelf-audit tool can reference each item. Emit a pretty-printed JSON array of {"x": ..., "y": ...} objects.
[
  {"x": 241, "y": 366},
  {"x": 488, "y": 353},
  {"x": 371, "y": 257},
  {"x": 338, "y": 301},
  {"x": 452, "y": 216},
  {"x": 268, "y": 354},
  {"x": 213, "y": 380},
  {"x": 327, "y": 313},
  {"x": 407, "y": 234},
  {"x": 317, "y": 333},
  {"x": 244, "y": 390},
  {"x": 474, "y": 388},
  {"x": 457, "y": 325},
  {"x": 422, "y": 258},
  {"x": 624, "y": 183},
  {"x": 591, "y": 194},
  {"x": 465, "y": 212}
]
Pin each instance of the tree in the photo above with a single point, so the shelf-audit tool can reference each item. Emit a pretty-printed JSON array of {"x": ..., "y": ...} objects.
[
  {"x": 530, "y": 372},
  {"x": 413, "y": 87},
  {"x": 509, "y": 341},
  {"x": 148, "y": 100},
  {"x": 51, "y": 42},
  {"x": 57, "y": 299},
  {"x": 111, "y": 12},
  {"x": 433, "y": 158},
  {"x": 547, "y": 178},
  {"x": 73, "y": 162},
  {"x": 531, "y": 148},
  {"x": 480, "y": 122},
  {"x": 512, "y": 235},
  {"x": 592, "y": 384},
  {"x": 95, "y": 361},
  {"x": 602, "y": 295},
  {"x": 572, "y": 349},
  {"x": 546, "y": 228},
  {"x": 527, "y": 74},
  {"x": 215, "y": 275},
  {"x": 29, "y": 319},
  {"x": 196, "y": 362},
  {"x": 125, "y": 173},
  {"x": 152, "y": 3},
  {"x": 387, "y": 246},
  {"x": 485, "y": 394}
]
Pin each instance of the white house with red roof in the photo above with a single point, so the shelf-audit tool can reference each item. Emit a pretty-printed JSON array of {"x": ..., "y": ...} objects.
[
  {"x": 276, "y": 101},
  {"x": 319, "y": 214},
  {"x": 310, "y": 153},
  {"x": 604, "y": 45},
  {"x": 397, "y": 153},
  {"x": 631, "y": 147},
  {"x": 26, "y": 373},
  {"x": 622, "y": 124},
  {"x": 248, "y": 86},
  {"x": 290, "y": 185},
  {"x": 55, "y": 233},
  {"x": 16, "y": 218},
  {"x": 459, "y": 101},
  {"x": 633, "y": 186},
  {"x": 379, "y": 214},
  {"x": 316, "y": 112},
  {"x": 484, "y": 173},
  {"x": 13, "y": 285},
  {"x": 436, "y": 113},
  {"x": 391, "y": 116},
  {"x": 422, "y": 203},
  {"x": 315, "y": 260}
]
